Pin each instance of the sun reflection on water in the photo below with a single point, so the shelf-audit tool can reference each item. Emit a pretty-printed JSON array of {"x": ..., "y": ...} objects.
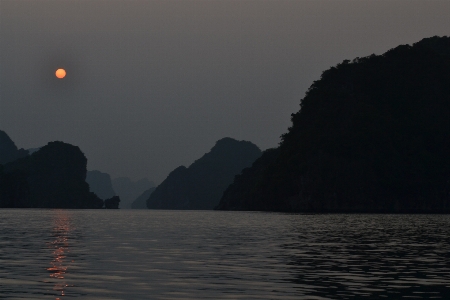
[{"x": 60, "y": 246}]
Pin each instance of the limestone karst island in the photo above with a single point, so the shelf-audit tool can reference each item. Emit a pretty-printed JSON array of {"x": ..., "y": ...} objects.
[{"x": 372, "y": 135}]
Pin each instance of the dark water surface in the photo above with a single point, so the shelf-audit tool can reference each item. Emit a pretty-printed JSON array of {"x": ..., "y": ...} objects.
[{"x": 130, "y": 254}]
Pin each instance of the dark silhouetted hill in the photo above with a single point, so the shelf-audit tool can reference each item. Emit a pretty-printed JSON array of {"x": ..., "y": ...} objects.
[
  {"x": 32, "y": 150},
  {"x": 201, "y": 185},
  {"x": 8, "y": 150},
  {"x": 372, "y": 135},
  {"x": 100, "y": 184},
  {"x": 141, "y": 201},
  {"x": 129, "y": 190},
  {"x": 53, "y": 177},
  {"x": 112, "y": 203}
]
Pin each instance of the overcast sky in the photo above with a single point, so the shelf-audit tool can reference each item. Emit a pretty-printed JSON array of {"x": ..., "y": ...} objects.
[{"x": 152, "y": 85}]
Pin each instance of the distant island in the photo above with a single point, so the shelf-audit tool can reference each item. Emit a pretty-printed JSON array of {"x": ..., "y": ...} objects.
[
  {"x": 129, "y": 190},
  {"x": 100, "y": 184},
  {"x": 201, "y": 185},
  {"x": 141, "y": 201},
  {"x": 53, "y": 176},
  {"x": 372, "y": 135}
]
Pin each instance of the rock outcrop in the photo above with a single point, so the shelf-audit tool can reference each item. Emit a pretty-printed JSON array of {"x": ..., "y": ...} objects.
[
  {"x": 53, "y": 177},
  {"x": 112, "y": 203}
]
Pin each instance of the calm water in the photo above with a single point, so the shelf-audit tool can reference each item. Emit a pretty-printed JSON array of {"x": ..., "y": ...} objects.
[{"x": 129, "y": 254}]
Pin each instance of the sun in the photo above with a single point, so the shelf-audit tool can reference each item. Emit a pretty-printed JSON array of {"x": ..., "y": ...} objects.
[{"x": 60, "y": 73}]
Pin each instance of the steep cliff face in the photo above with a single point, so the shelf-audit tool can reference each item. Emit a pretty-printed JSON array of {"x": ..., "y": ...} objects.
[
  {"x": 201, "y": 185},
  {"x": 100, "y": 184},
  {"x": 8, "y": 150},
  {"x": 372, "y": 135},
  {"x": 53, "y": 177}
]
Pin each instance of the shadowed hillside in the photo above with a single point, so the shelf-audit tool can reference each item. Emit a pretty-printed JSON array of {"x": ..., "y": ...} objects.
[
  {"x": 201, "y": 185},
  {"x": 372, "y": 135},
  {"x": 141, "y": 201},
  {"x": 52, "y": 177},
  {"x": 129, "y": 190},
  {"x": 8, "y": 150}
]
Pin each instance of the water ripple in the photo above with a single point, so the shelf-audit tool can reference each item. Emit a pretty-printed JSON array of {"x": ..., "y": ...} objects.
[{"x": 98, "y": 254}]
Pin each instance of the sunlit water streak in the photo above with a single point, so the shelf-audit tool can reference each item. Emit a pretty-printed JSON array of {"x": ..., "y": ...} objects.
[{"x": 129, "y": 254}]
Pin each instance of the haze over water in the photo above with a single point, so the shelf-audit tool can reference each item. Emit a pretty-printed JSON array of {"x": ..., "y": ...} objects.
[
  {"x": 58, "y": 254},
  {"x": 152, "y": 85}
]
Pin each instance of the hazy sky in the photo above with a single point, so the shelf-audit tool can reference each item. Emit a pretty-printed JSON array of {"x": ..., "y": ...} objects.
[{"x": 152, "y": 85}]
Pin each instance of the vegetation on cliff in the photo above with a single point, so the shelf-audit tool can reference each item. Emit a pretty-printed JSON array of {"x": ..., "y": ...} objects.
[{"x": 372, "y": 135}]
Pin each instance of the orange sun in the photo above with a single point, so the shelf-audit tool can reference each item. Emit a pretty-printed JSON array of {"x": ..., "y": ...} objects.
[{"x": 60, "y": 73}]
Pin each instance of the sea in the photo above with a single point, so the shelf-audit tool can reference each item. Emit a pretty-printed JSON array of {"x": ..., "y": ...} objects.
[{"x": 155, "y": 254}]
